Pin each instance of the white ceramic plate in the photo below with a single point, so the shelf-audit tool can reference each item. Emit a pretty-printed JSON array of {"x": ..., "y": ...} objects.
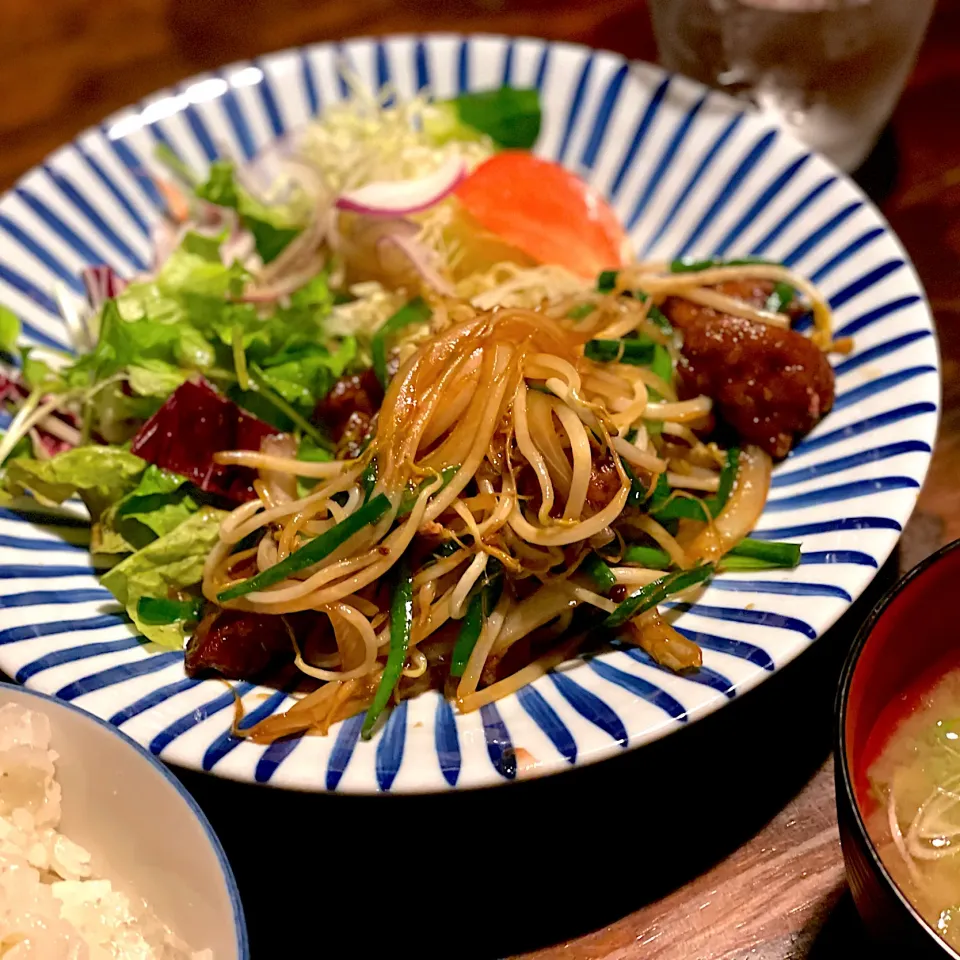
[{"x": 690, "y": 172}]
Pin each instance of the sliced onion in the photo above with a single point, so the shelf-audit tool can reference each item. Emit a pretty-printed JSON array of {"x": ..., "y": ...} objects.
[
  {"x": 281, "y": 486},
  {"x": 742, "y": 510},
  {"x": 389, "y": 244},
  {"x": 102, "y": 283},
  {"x": 365, "y": 232},
  {"x": 283, "y": 286},
  {"x": 420, "y": 259},
  {"x": 389, "y": 198},
  {"x": 262, "y": 172},
  {"x": 59, "y": 429},
  {"x": 240, "y": 245},
  {"x": 211, "y": 220},
  {"x": 166, "y": 236},
  {"x": 302, "y": 247}
]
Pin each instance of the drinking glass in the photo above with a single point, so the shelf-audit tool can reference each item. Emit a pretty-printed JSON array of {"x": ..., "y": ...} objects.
[{"x": 829, "y": 70}]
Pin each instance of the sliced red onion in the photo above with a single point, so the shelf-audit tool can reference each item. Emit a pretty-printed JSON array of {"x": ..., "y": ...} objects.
[
  {"x": 58, "y": 430},
  {"x": 391, "y": 198},
  {"x": 12, "y": 389},
  {"x": 304, "y": 245},
  {"x": 40, "y": 450},
  {"x": 305, "y": 175},
  {"x": 212, "y": 219},
  {"x": 283, "y": 286},
  {"x": 281, "y": 486},
  {"x": 368, "y": 231},
  {"x": 262, "y": 172},
  {"x": 393, "y": 241},
  {"x": 166, "y": 236},
  {"x": 102, "y": 283},
  {"x": 240, "y": 245},
  {"x": 420, "y": 259}
]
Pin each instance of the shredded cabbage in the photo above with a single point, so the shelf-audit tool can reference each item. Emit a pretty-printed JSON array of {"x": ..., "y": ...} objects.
[
  {"x": 510, "y": 285},
  {"x": 364, "y": 140}
]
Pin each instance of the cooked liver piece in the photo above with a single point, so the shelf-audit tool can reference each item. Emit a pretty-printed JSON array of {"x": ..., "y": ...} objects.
[{"x": 769, "y": 383}]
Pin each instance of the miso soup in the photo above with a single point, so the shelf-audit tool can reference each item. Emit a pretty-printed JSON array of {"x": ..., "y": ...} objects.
[{"x": 912, "y": 806}]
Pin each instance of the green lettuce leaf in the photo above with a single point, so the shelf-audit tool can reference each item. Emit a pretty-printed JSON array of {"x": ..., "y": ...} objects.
[
  {"x": 154, "y": 483},
  {"x": 195, "y": 267},
  {"x": 172, "y": 563},
  {"x": 160, "y": 331},
  {"x": 510, "y": 117},
  {"x": 157, "y": 506},
  {"x": 116, "y": 533},
  {"x": 301, "y": 375},
  {"x": 188, "y": 297},
  {"x": 165, "y": 517},
  {"x": 161, "y": 501},
  {"x": 117, "y": 413},
  {"x": 100, "y": 476},
  {"x": 155, "y": 378},
  {"x": 106, "y": 538},
  {"x": 9, "y": 330},
  {"x": 273, "y": 227},
  {"x": 37, "y": 373},
  {"x": 314, "y": 294},
  {"x": 125, "y": 342},
  {"x": 312, "y": 452},
  {"x": 273, "y": 339},
  {"x": 144, "y": 300}
]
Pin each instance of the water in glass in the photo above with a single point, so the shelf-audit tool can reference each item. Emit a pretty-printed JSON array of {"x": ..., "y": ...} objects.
[{"x": 830, "y": 70}]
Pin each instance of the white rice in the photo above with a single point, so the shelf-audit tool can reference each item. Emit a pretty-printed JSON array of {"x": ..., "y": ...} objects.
[{"x": 51, "y": 905}]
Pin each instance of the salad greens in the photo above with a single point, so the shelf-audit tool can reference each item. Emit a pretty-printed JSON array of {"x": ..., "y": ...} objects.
[
  {"x": 9, "y": 331},
  {"x": 189, "y": 320},
  {"x": 99, "y": 475},
  {"x": 272, "y": 227},
  {"x": 510, "y": 117},
  {"x": 170, "y": 564},
  {"x": 157, "y": 611},
  {"x": 159, "y": 503}
]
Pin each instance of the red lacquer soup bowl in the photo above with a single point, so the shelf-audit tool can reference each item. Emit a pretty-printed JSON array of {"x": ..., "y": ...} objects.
[{"x": 906, "y": 645}]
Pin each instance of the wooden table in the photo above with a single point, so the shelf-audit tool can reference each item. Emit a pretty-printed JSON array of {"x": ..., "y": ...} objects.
[{"x": 690, "y": 850}]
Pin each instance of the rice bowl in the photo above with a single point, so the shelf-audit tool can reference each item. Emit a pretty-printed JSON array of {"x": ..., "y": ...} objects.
[{"x": 102, "y": 853}]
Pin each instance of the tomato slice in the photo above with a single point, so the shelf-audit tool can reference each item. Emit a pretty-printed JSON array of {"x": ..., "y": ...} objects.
[{"x": 545, "y": 211}]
